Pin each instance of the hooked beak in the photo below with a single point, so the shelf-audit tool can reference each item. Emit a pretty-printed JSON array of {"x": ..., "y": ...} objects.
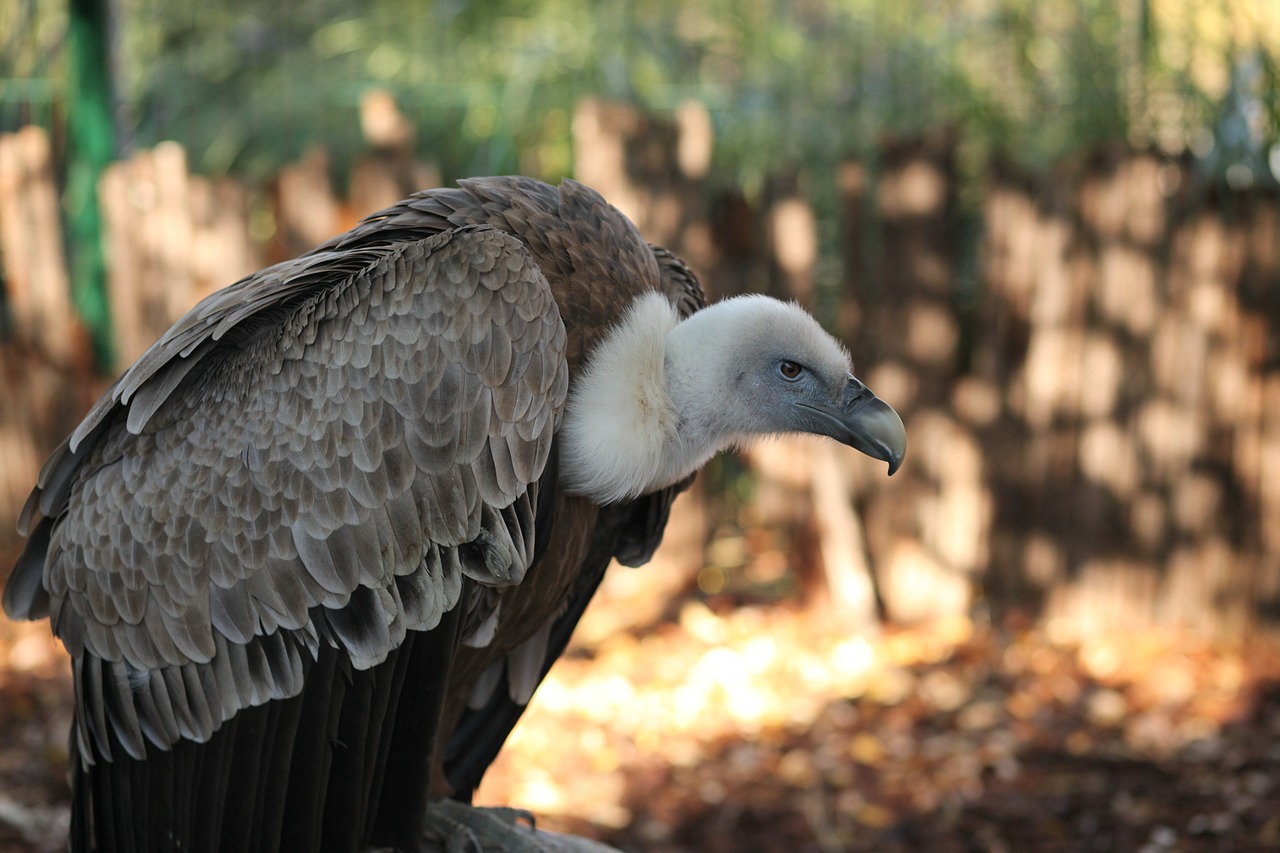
[{"x": 864, "y": 422}]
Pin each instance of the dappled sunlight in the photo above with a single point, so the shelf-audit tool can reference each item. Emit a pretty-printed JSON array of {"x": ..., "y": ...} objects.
[
  {"x": 917, "y": 586},
  {"x": 931, "y": 333},
  {"x": 1108, "y": 455},
  {"x": 19, "y": 464},
  {"x": 1137, "y": 395},
  {"x": 31, "y": 650},
  {"x": 666, "y": 696},
  {"x": 1128, "y": 293},
  {"x": 918, "y": 190},
  {"x": 690, "y": 736},
  {"x": 794, "y": 235},
  {"x": 35, "y": 279}
]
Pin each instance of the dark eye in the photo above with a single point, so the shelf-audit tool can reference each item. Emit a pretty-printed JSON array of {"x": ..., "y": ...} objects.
[{"x": 790, "y": 370}]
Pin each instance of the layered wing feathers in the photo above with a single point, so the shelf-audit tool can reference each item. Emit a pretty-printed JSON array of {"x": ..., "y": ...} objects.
[{"x": 319, "y": 453}]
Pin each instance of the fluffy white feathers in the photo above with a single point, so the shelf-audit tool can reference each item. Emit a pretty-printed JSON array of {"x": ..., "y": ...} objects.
[
  {"x": 620, "y": 418},
  {"x": 659, "y": 397}
]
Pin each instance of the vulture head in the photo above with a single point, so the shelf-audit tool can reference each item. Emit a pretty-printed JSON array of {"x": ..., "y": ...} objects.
[{"x": 661, "y": 396}]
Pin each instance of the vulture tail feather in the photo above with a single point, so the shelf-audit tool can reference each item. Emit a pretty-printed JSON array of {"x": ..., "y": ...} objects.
[
  {"x": 415, "y": 732},
  {"x": 321, "y": 698},
  {"x": 343, "y": 817},
  {"x": 394, "y": 674}
]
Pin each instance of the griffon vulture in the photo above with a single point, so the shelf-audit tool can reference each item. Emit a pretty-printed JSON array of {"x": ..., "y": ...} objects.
[{"x": 312, "y": 553}]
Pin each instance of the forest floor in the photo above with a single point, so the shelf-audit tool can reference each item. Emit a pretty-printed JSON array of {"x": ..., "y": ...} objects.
[
  {"x": 777, "y": 728},
  {"x": 767, "y": 730}
]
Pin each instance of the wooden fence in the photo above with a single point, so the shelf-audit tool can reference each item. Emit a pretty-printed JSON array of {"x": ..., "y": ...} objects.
[
  {"x": 1095, "y": 417},
  {"x": 1088, "y": 363}
]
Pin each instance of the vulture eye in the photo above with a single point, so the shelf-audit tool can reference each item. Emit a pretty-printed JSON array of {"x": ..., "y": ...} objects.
[{"x": 790, "y": 370}]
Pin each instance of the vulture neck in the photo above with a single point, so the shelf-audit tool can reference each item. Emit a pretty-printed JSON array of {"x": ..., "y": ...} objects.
[{"x": 649, "y": 409}]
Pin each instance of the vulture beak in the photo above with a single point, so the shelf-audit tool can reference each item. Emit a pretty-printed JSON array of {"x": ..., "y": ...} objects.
[{"x": 864, "y": 422}]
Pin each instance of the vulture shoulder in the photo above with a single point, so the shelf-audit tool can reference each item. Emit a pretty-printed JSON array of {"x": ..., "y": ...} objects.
[{"x": 317, "y": 454}]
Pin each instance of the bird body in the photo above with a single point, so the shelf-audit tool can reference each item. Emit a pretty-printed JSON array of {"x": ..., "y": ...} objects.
[{"x": 313, "y": 552}]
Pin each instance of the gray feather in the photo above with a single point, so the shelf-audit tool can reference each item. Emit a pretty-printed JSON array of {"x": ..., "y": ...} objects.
[
  {"x": 524, "y": 665},
  {"x": 147, "y": 400},
  {"x": 486, "y": 685},
  {"x": 25, "y": 596},
  {"x": 121, "y": 712},
  {"x": 232, "y": 612},
  {"x": 196, "y": 683}
]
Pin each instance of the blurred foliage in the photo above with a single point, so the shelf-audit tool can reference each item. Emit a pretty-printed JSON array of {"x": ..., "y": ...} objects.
[
  {"x": 32, "y": 35},
  {"x": 491, "y": 85}
]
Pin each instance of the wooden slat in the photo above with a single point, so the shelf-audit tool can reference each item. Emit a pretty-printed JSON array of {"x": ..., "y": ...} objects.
[
  {"x": 147, "y": 211},
  {"x": 35, "y": 271}
]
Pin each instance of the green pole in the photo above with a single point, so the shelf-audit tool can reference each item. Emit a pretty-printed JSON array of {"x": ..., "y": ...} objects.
[{"x": 90, "y": 147}]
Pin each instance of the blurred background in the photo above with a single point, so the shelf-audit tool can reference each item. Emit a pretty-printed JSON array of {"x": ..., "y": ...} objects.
[{"x": 1048, "y": 231}]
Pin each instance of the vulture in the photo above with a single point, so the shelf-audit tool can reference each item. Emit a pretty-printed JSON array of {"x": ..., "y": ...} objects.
[{"x": 313, "y": 552}]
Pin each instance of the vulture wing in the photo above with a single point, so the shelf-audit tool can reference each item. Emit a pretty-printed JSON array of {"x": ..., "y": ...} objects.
[
  {"x": 287, "y": 491},
  {"x": 309, "y": 554}
]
